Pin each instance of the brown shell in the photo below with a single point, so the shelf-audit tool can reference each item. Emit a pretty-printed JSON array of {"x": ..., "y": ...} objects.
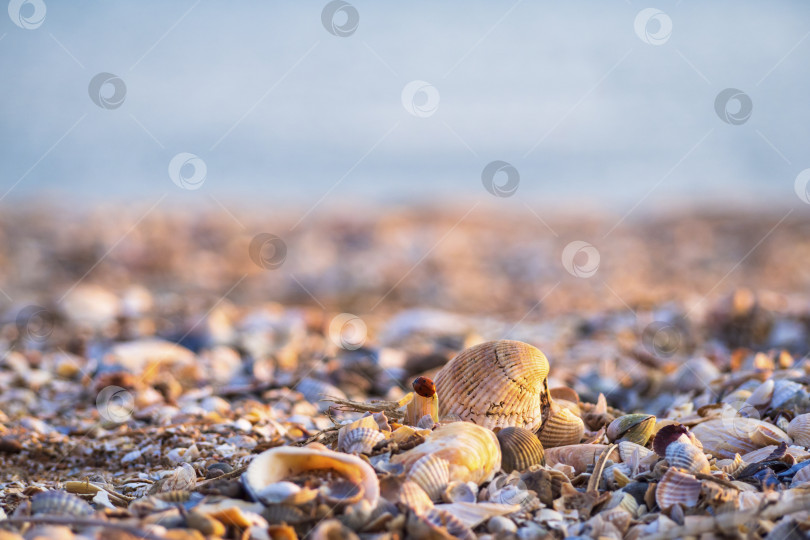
[
  {"x": 677, "y": 487},
  {"x": 496, "y": 384},
  {"x": 562, "y": 428},
  {"x": 520, "y": 449}
]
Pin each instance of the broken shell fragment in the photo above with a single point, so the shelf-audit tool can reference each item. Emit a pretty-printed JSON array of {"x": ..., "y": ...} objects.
[
  {"x": 520, "y": 449},
  {"x": 472, "y": 452},
  {"x": 496, "y": 384},
  {"x": 635, "y": 428},
  {"x": 344, "y": 475}
]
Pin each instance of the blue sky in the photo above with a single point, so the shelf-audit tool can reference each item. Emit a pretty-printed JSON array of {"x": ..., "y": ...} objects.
[{"x": 284, "y": 113}]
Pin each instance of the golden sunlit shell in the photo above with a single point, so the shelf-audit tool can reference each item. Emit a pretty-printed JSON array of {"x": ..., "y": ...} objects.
[
  {"x": 688, "y": 458},
  {"x": 562, "y": 428},
  {"x": 497, "y": 383},
  {"x": 472, "y": 451},
  {"x": 635, "y": 428},
  {"x": 520, "y": 449},
  {"x": 285, "y": 462},
  {"x": 365, "y": 422},
  {"x": 799, "y": 429},
  {"x": 677, "y": 487},
  {"x": 432, "y": 473}
]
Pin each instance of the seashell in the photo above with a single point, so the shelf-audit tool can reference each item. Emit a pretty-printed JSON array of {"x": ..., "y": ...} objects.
[
  {"x": 473, "y": 514},
  {"x": 330, "y": 529},
  {"x": 365, "y": 422},
  {"x": 361, "y": 440},
  {"x": 616, "y": 475},
  {"x": 799, "y": 429},
  {"x": 287, "y": 493},
  {"x": 236, "y": 513},
  {"x": 432, "y": 474},
  {"x": 733, "y": 466},
  {"x": 460, "y": 492},
  {"x": 686, "y": 457},
  {"x": 671, "y": 433},
  {"x": 760, "y": 397},
  {"x": 677, "y": 487},
  {"x": 59, "y": 503},
  {"x": 635, "y": 428},
  {"x": 205, "y": 524},
  {"x": 286, "y": 462},
  {"x": 455, "y": 527},
  {"x": 766, "y": 433},
  {"x": 284, "y": 513},
  {"x": 437, "y": 525},
  {"x": 314, "y": 391},
  {"x": 496, "y": 383},
  {"x": 520, "y": 449},
  {"x": 755, "y": 456},
  {"x": 564, "y": 393},
  {"x": 786, "y": 393},
  {"x": 801, "y": 477},
  {"x": 628, "y": 449},
  {"x": 562, "y": 428},
  {"x": 407, "y": 492},
  {"x": 472, "y": 451},
  {"x": 578, "y": 456},
  {"x": 695, "y": 375},
  {"x": 724, "y": 437},
  {"x": 426, "y": 422}
]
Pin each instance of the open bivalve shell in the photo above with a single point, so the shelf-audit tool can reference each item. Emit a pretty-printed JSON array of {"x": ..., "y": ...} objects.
[
  {"x": 471, "y": 451},
  {"x": 346, "y": 479},
  {"x": 496, "y": 384}
]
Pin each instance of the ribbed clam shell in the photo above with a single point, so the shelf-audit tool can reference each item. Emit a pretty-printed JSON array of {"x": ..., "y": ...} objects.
[
  {"x": 412, "y": 495},
  {"x": 628, "y": 449},
  {"x": 367, "y": 422},
  {"x": 724, "y": 437},
  {"x": 759, "y": 454},
  {"x": 432, "y": 473},
  {"x": 799, "y": 429},
  {"x": 59, "y": 503},
  {"x": 688, "y": 458},
  {"x": 635, "y": 428},
  {"x": 361, "y": 440},
  {"x": 785, "y": 393},
  {"x": 460, "y": 492},
  {"x": 677, "y": 487},
  {"x": 520, "y": 449},
  {"x": 472, "y": 451},
  {"x": 448, "y": 521},
  {"x": 497, "y": 383},
  {"x": 562, "y": 428}
]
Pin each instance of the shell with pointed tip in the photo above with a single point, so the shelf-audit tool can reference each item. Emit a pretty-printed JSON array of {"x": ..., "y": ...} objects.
[
  {"x": 361, "y": 440},
  {"x": 635, "y": 428},
  {"x": 285, "y": 462},
  {"x": 59, "y": 503},
  {"x": 562, "y": 428},
  {"x": 496, "y": 384},
  {"x": 520, "y": 449},
  {"x": 688, "y": 458},
  {"x": 472, "y": 451},
  {"x": 799, "y": 429},
  {"x": 677, "y": 487},
  {"x": 578, "y": 456},
  {"x": 432, "y": 473}
]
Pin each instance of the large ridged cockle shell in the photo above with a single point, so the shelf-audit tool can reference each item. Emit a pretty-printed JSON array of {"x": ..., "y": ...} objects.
[
  {"x": 677, "y": 487},
  {"x": 578, "y": 456},
  {"x": 520, "y": 449},
  {"x": 472, "y": 451},
  {"x": 688, "y": 458},
  {"x": 348, "y": 477},
  {"x": 59, "y": 503},
  {"x": 496, "y": 384},
  {"x": 562, "y": 428},
  {"x": 799, "y": 429},
  {"x": 635, "y": 428},
  {"x": 432, "y": 473}
]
